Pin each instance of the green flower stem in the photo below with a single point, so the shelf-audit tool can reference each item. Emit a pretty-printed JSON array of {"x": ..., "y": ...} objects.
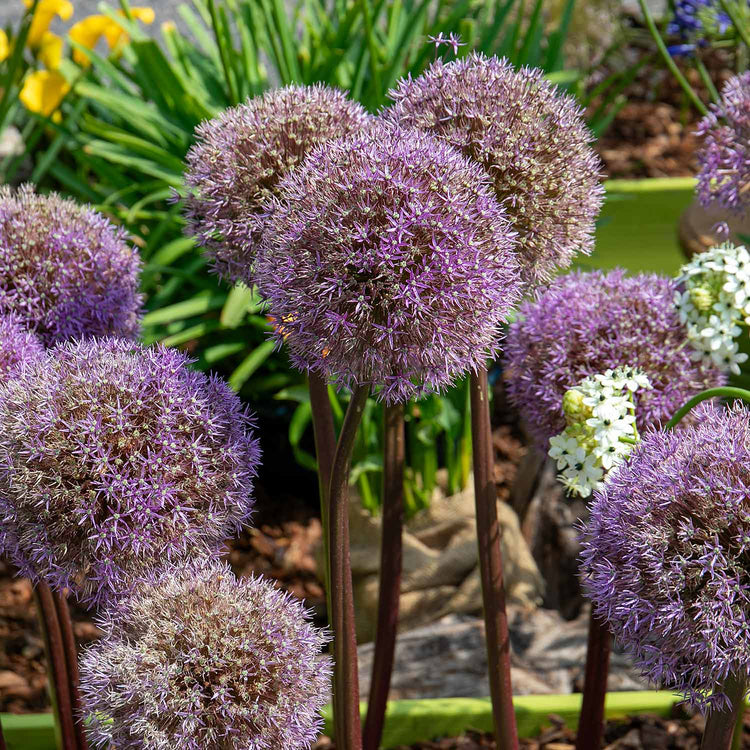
[
  {"x": 2, "y": 739},
  {"x": 56, "y": 666},
  {"x": 591, "y": 722},
  {"x": 720, "y": 725},
  {"x": 670, "y": 63},
  {"x": 71, "y": 660},
  {"x": 491, "y": 567},
  {"x": 738, "y": 23},
  {"x": 390, "y": 574},
  {"x": 324, "y": 433},
  {"x": 348, "y": 729},
  {"x": 722, "y": 392}
]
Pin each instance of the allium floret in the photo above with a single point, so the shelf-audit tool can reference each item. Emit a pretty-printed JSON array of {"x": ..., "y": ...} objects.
[
  {"x": 390, "y": 263},
  {"x": 665, "y": 557},
  {"x": 17, "y": 345},
  {"x": 588, "y": 322},
  {"x": 714, "y": 304},
  {"x": 114, "y": 457},
  {"x": 65, "y": 269},
  {"x": 532, "y": 140},
  {"x": 196, "y": 659},
  {"x": 241, "y": 156},
  {"x": 600, "y": 428},
  {"x": 724, "y": 157}
]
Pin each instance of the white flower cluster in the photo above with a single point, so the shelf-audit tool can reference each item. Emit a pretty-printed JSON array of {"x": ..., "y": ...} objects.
[
  {"x": 715, "y": 304},
  {"x": 600, "y": 431}
]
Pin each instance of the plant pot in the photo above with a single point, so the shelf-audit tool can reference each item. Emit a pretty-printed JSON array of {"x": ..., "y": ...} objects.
[
  {"x": 411, "y": 721},
  {"x": 638, "y": 226}
]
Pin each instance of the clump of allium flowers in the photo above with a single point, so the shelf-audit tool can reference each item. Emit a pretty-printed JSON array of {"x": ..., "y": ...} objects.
[
  {"x": 715, "y": 304},
  {"x": 586, "y": 323},
  {"x": 666, "y": 553},
  {"x": 113, "y": 457},
  {"x": 65, "y": 269},
  {"x": 241, "y": 156},
  {"x": 17, "y": 345},
  {"x": 531, "y": 139},
  {"x": 196, "y": 659},
  {"x": 724, "y": 157},
  {"x": 390, "y": 263},
  {"x": 600, "y": 428}
]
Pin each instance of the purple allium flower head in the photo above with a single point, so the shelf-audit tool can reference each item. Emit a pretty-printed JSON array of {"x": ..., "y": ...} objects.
[
  {"x": 65, "y": 269},
  {"x": 196, "y": 659},
  {"x": 587, "y": 322},
  {"x": 724, "y": 157},
  {"x": 531, "y": 139},
  {"x": 666, "y": 553},
  {"x": 241, "y": 156},
  {"x": 17, "y": 345},
  {"x": 113, "y": 457},
  {"x": 388, "y": 262}
]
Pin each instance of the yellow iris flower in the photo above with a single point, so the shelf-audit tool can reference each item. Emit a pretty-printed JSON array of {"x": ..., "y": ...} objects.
[
  {"x": 4, "y": 45},
  {"x": 50, "y": 50},
  {"x": 91, "y": 29},
  {"x": 46, "y": 10},
  {"x": 42, "y": 92}
]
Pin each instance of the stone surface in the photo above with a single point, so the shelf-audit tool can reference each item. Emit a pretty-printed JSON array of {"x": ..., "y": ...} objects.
[{"x": 447, "y": 658}]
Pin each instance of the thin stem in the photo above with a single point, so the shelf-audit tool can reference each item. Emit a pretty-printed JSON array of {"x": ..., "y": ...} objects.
[
  {"x": 71, "y": 659},
  {"x": 390, "y": 574},
  {"x": 723, "y": 392},
  {"x": 345, "y": 673},
  {"x": 720, "y": 724},
  {"x": 670, "y": 63},
  {"x": 591, "y": 722},
  {"x": 56, "y": 665},
  {"x": 325, "y": 449},
  {"x": 737, "y": 22},
  {"x": 706, "y": 78},
  {"x": 491, "y": 567}
]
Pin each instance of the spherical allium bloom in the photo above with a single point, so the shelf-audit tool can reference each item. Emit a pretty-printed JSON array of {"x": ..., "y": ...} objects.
[
  {"x": 65, "y": 269},
  {"x": 588, "y": 322},
  {"x": 195, "y": 659},
  {"x": 390, "y": 263},
  {"x": 241, "y": 156},
  {"x": 666, "y": 548},
  {"x": 17, "y": 345},
  {"x": 724, "y": 157},
  {"x": 113, "y": 457},
  {"x": 531, "y": 139}
]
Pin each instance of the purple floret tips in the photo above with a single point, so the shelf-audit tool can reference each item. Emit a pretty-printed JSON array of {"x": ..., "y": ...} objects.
[
  {"x": 115, "y": 457},
  {"x": 240, "y": 157},
  {"x": 724, "y": 158},
  {"x": 65, "y": 269},
  {"x": 532, "y": 140},
  {"x": 17, "y": 345},
  {"x": 587, "y": 322},
  {"x": 196, "y": 659},
  {"x": 665, "y": 554},
  {"x": 389, "y": 262}
]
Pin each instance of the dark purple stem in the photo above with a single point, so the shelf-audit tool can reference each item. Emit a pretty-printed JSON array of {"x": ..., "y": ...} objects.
[
  {"x": 56, "y": 665},
  {"x": 341, "y": 617},
  {"x": 325, "y": 449},
  {"x": 390, "y": 574},
  {"x": 720, "y": 725},
  {"x": 591, "y": 721},
  {"x": 491, "y": 566},
  {"x": 71, "y": 660}
]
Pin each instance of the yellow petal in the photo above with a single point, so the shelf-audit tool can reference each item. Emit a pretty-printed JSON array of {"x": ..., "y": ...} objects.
[
  {"x": 87, "y": 32},
  {"x": 46, "y": 10},
  {"x": 144, "y": 14},
  {"x": 4, "y": 45},
  {"x": 43, "y": 90},
  {"x": 50, "y": 50}
]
